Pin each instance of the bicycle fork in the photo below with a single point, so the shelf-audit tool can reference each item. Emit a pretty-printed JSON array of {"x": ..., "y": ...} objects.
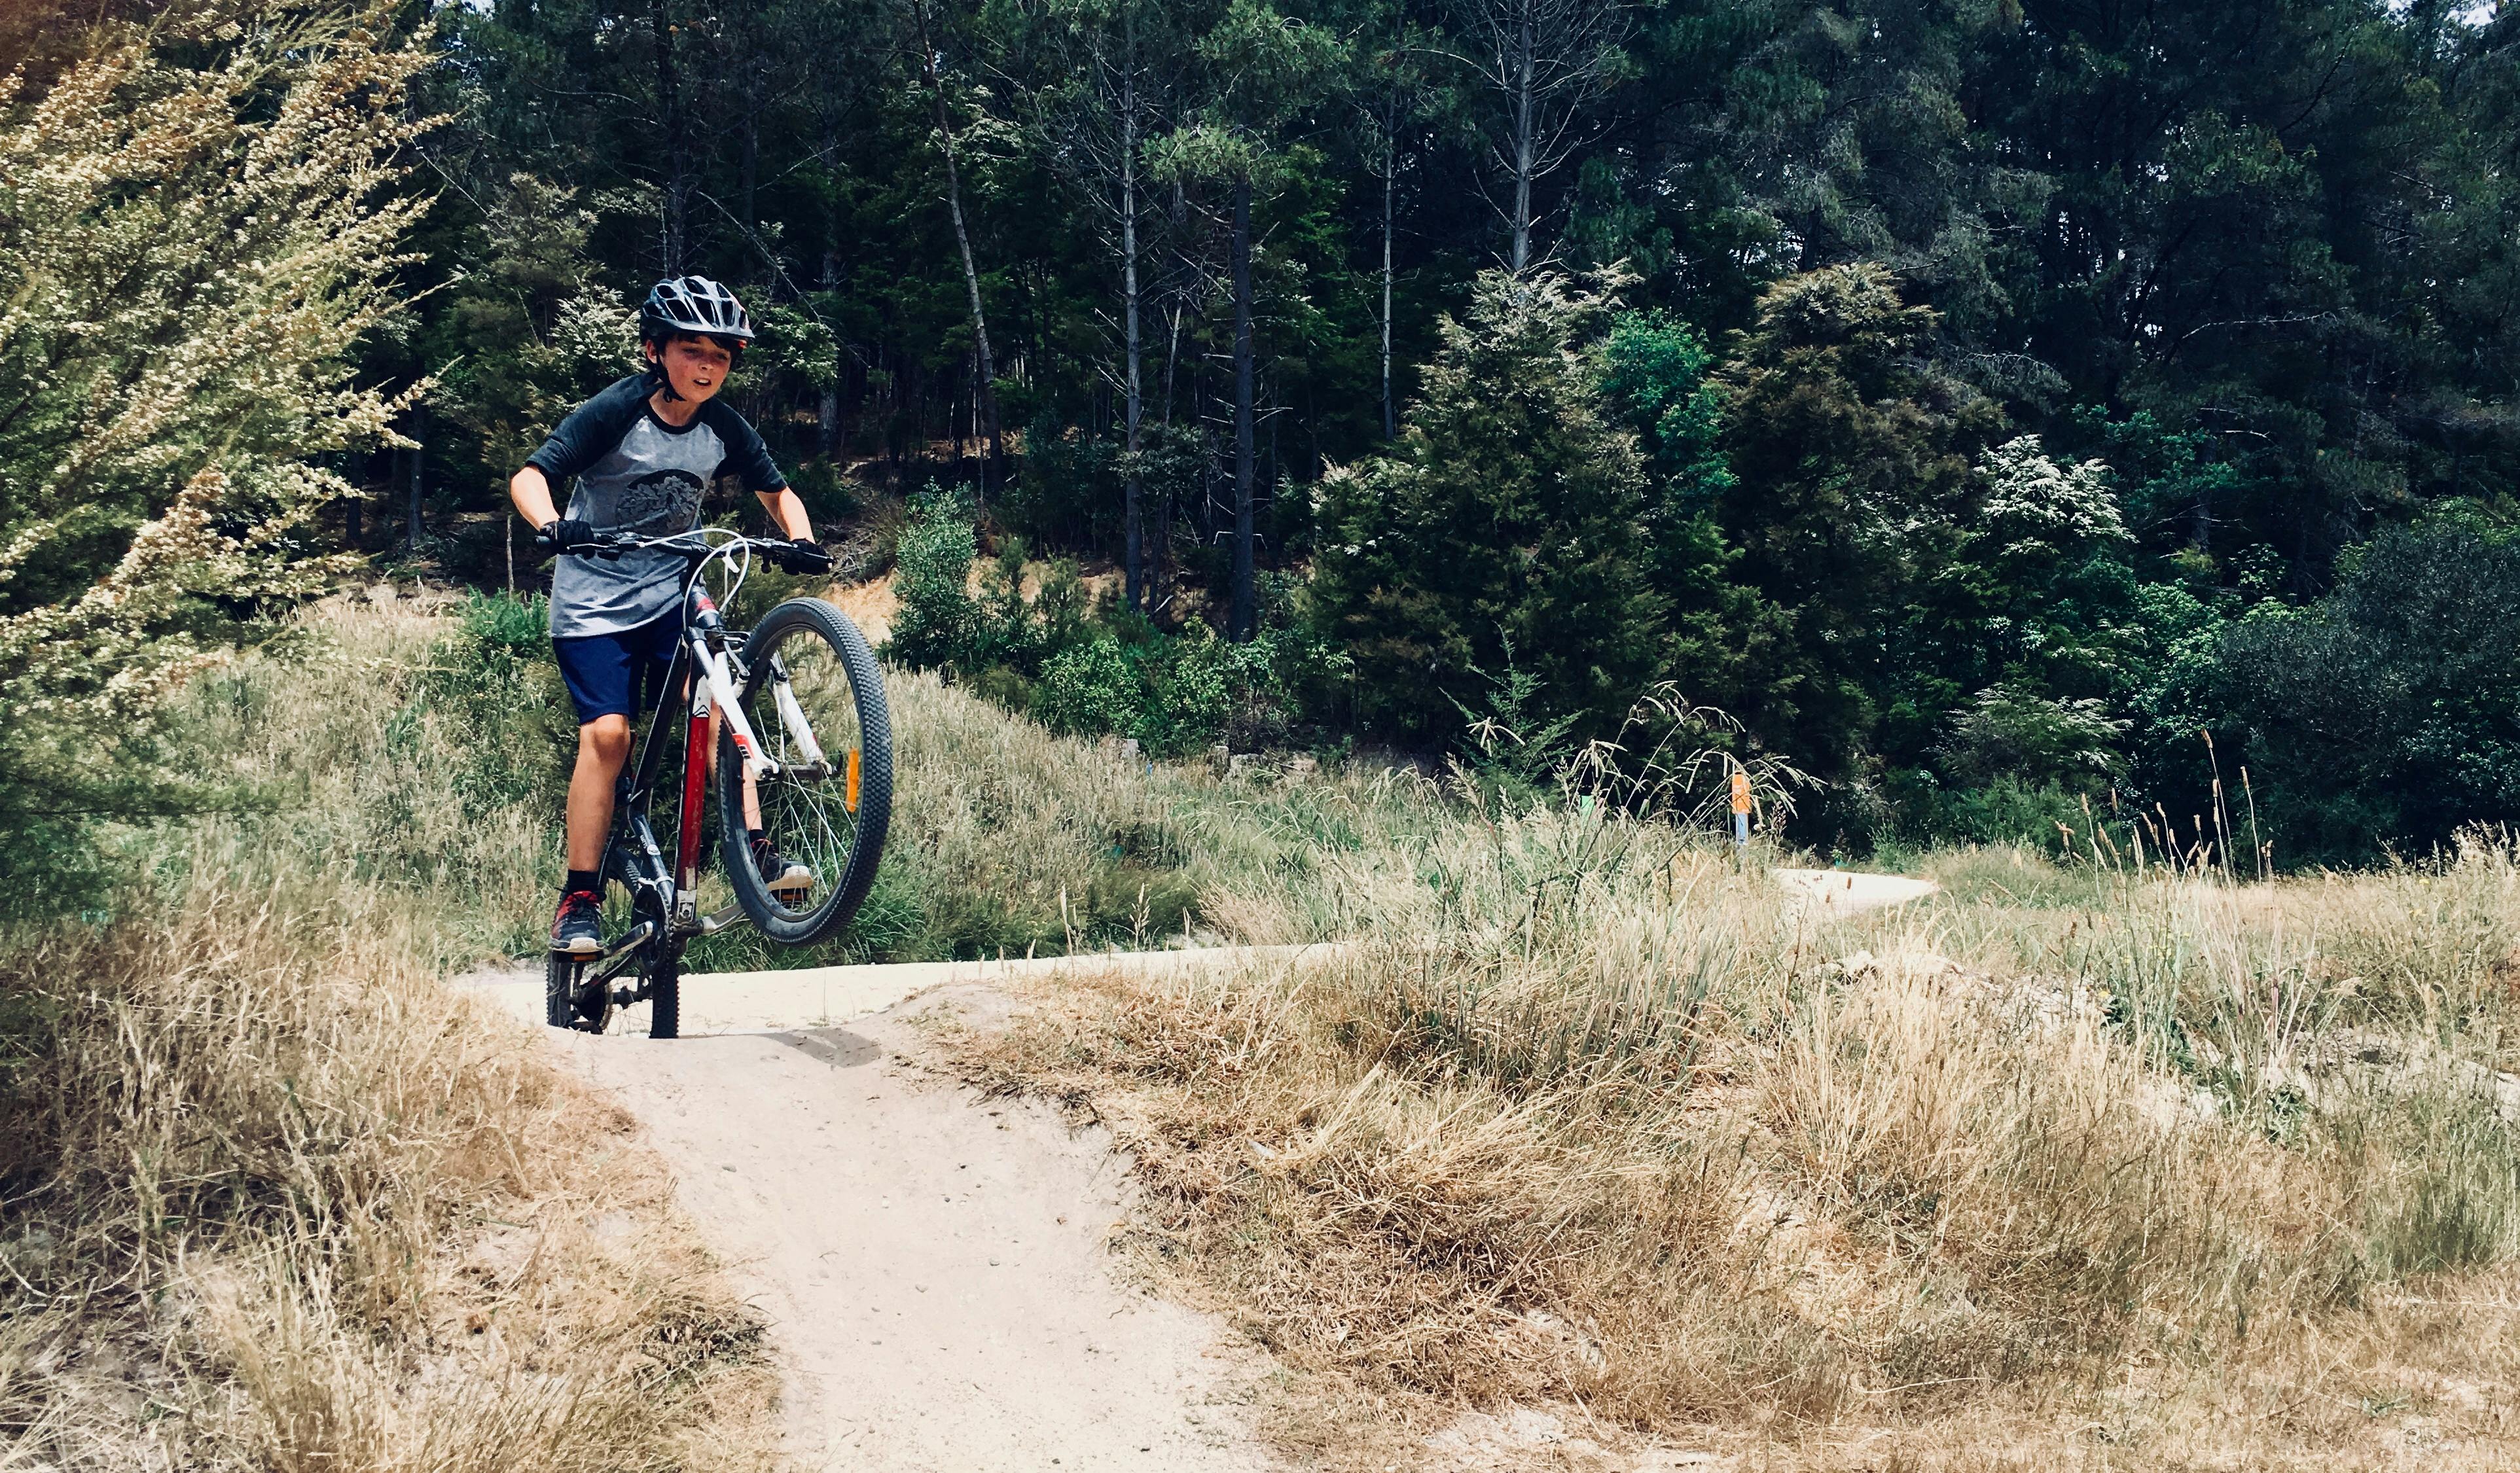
[{"x": 713, "y": 702}]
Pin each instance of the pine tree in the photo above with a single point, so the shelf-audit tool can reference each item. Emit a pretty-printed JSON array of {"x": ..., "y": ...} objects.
[
  {"x": 1503, "y": 534},
  {"x": 1853, "y": 459}
]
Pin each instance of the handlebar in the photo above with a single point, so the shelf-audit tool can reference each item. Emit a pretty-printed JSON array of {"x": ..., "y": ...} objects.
[{"x": 695, "y": 547}]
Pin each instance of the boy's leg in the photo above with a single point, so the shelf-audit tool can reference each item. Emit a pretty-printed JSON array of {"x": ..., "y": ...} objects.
[
  {"x": 784, "y": 875},
  {"x": 603, "y": 746},
  {"x": 752, "y": 789},
  {"x": 601, "y": 672}
]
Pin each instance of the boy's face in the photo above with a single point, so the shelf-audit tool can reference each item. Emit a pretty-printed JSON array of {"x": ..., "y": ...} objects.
[{"x": 696, "y": 366}]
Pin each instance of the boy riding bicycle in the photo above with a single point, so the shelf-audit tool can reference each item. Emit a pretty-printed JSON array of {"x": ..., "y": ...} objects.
[{"x": 643, "y": 452}]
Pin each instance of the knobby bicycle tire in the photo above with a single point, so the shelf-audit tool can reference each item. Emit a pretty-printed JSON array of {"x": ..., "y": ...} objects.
[
  {"x": 565, "y": 1002},
  {"x": 662, "y": 972},
  {"x": 800, "y": 633},
  {"x": 559, "y": 986}
]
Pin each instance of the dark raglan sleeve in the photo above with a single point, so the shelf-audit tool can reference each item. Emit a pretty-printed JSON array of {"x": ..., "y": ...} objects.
[
  {"x": 745, "y": 455},
  {"x": 590, "y": 432}
]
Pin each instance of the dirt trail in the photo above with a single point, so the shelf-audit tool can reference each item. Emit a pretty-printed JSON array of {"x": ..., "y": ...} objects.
[
  {"x": 1848, "y": 891},
  {"x": 936, "y": 1266}
]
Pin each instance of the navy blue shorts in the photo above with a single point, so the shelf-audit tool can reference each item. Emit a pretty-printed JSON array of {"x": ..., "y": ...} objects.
[{"x": 618, "y": 674}]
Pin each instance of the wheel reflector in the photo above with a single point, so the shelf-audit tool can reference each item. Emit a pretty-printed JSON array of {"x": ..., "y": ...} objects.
[{"x": 850, "y": 799}]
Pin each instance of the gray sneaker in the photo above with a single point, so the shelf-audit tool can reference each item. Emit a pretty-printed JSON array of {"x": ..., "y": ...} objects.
[
  {"x": 577, "y": 930},
  {"x": 779, "y": 873}
]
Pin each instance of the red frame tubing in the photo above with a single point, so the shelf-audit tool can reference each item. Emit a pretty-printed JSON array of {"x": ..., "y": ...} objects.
[{"x": 686, "y": 855}]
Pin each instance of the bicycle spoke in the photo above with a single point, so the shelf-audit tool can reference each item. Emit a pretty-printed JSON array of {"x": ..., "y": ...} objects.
[
  {"x": 805, "y": 710},
  {"x": 795, "y": 812}
]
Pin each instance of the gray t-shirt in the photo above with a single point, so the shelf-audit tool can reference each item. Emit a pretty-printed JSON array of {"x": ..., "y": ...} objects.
[{"x": 638, "y": 474}]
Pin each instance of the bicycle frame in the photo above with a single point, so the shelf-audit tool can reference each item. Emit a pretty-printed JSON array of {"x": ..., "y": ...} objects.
[
  {"x": 703, "y": 676},
  {"x": 709, "y": 703}
]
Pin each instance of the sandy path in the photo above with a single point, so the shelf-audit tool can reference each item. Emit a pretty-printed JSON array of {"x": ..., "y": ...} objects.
[
  {"x": 935, "y": 1266},
  {"x": 1848, "y": 891}
]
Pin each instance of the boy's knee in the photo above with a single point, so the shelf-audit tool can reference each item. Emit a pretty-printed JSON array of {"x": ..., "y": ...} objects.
[{"x": 606, "y": 739}]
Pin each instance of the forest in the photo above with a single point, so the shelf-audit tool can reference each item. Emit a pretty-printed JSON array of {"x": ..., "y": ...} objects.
[{"x": 1985, "y": 415}]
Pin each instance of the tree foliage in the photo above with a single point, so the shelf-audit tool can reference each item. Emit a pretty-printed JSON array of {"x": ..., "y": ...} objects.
[
  {"x": 2387, "y": 713},
  {"x": 1973, "y": 367},
  {"x": 200, "y": 224},
  {"x": 1505, "y": 530}
]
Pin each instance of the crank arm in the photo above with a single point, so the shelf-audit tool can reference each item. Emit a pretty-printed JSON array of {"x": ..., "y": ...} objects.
[
  {"x": 628, "y": 939},
  {"x": 616, "y": 968}
]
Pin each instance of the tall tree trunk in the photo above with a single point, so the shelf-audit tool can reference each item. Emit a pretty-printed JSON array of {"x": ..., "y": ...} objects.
[
  {"x": 748, "y": 176},
  {"x": 954, "y": 423},
  {"x": 828, "y": 436},
  {"x": 1135, "y": 576},
  {"x": 1172, "y": 361},
  {"x": 419, "y": 459},
  {"x": 1523, "y": 142},
  {"x": 1243, "y": 617},
  {"x": 1390, "y": 183},
  {"x": 677, "y": 221},
  {"x": 963, "y": 243},
  {"x": 831, "y": 438}
]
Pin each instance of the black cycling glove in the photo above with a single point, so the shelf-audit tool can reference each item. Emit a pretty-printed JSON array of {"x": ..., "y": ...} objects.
[
  {"x": 805, "y": 557},
  {"x": 566, "y": 534}
]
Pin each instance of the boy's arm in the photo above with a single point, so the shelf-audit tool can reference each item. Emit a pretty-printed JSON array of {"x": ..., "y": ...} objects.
[
  {"x": 532, "y": 492},
  {"x": 591, "y": 431},
  {"x": 787, "y": 512},
  {"x": 749, "y": 459}
]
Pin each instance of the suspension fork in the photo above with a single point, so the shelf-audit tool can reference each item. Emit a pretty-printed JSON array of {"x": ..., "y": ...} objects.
[{"x": 713, "y": 702}]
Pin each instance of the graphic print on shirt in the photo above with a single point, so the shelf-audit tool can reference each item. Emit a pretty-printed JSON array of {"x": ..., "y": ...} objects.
[
  {"x": 658, "y": 503},
  {"x": 635, "y": 473}
]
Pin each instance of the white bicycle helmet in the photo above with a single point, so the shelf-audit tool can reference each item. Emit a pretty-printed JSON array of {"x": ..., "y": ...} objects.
[{"x": 694, "y": 304}]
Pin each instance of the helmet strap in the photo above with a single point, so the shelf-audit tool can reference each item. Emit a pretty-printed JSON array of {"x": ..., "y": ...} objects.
[{"x": 661, "y": 381}]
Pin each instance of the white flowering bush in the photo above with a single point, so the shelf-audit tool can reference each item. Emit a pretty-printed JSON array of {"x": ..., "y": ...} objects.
[
  {"x": 2040, "y": 508},
  {"x": 198, "y": 224}
]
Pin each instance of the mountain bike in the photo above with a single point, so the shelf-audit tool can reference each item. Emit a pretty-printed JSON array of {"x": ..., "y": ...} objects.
[{"x": 794, "y": 712}]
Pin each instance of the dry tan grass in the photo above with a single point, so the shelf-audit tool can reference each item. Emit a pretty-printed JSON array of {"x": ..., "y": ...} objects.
[
  {"x": 272, "y": 1195},
  {"x": 278, "y": 1198},
  {"x": 1025, "y": 834},
  {"x": 871, "y": 605},
  {"x": 2134, "y": 1171}
]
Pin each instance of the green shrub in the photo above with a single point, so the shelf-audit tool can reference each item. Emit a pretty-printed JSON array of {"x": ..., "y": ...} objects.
[
  {"x": 940, "y": 623},
  {"x": 2010, "y": 811},
  {"x": 1067, "y": 492},
  {"x": 2387, "y": 715},
  {"x": 513, "y": 627},
  {"x": 1510, "y": 512},
  {"x": 201, "y": 234},
  {"x": 1089, "y": 687},
  {"x": 496, "y": 691},
  {"x": 1176, "y": 693},
  {"x": 1077, "y": 670}
]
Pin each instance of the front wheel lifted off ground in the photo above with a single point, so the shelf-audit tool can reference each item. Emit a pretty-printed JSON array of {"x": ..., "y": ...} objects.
[{"x": 829, "y": 801}]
